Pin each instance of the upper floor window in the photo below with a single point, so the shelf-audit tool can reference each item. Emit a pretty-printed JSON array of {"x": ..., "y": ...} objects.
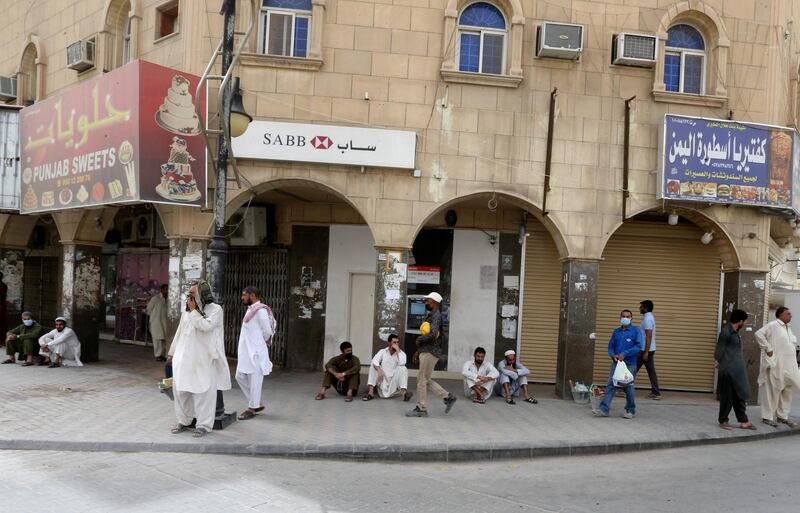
[
  {"x": 126, "y": 42},
  {"x": 482, "y": 39},
  {"x": 285, "y": 26},
  {"x": 684, "y": 60},
  {"x": 167, "y": 22}
]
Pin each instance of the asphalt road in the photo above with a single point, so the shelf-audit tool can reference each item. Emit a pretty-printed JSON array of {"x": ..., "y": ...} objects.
[{"x": 742, "y": 477}]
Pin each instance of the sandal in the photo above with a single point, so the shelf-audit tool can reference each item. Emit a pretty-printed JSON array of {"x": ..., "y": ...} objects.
[
  {"x": 407, "y": 396},
  {"x": 788, "y": 422},
  {"x": 348, "y": 399},
  {"x": 531, "y": 400},
  {"x": 319, "y": 397},
  {"x": 510, "y": 401},
  {"x": 247, "y": 415},
  {"x": 770, "y": 422},
  {"x": 199, "y": 433},
  {"x": 28, "y": 364},
  {"x": 8, "y": 361},
  {"x": 725, "y": 426},
  {"x": 259, "y": 409},
  {"x": 180, "y": 428},
  {"x": 368, "y": 397},
  {"x": 751, "y": 427},
  {"x": 479, "y": 400}
]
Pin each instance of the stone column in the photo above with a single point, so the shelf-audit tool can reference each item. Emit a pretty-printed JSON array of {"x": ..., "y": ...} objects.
[
  {"x": 746, "y": 290},
  {"x": 390, "y": 295},
  {"x": 80, "y": 301},
  {"x": 317, "y": 21},
  {"x": 187, "y": 264},
  {"x": 12, "y": 265},
  {"x": 576, "y": 323}
]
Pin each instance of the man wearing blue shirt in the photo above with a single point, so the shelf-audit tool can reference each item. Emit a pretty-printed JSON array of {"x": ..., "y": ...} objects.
[
  {"x": 648, "y": 355},
  {"x": 625, "y": 345}
]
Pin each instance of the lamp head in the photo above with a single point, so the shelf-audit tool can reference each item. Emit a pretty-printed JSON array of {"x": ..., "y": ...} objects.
[{"x": 240, "y": 119}]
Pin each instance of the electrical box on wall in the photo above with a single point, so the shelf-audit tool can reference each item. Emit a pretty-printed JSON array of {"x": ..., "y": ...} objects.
[
  {"x": 559, "y": 40},
  {"x": 634, "y": 50},
  {"x": 249, "y": 226}
]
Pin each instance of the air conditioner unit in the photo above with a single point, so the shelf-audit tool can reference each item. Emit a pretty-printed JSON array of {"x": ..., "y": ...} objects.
[
  {"x": 143, "y": 224},
  {"x": 8, "y": 88},
  {"x": 559, "y": 40},
  {"x": 80, "y": 55},
  {"x": 634, "y": 50},
  {"x": 251, "y": 226},
  {"x": 127, "y": 232}
]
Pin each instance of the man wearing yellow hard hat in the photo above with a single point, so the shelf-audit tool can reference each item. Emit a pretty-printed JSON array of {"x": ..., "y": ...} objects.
[{"x": 429, "y": 351}]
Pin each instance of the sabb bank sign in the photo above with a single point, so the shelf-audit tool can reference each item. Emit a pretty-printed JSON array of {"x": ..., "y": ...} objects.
[{"x": 327, "y": 144}]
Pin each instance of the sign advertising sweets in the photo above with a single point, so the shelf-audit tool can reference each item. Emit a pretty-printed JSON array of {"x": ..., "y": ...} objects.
[
  {"x": 721, "y": 161},
  {"x": 127, "y": 136},
  {"x": 327, "y": 144}
]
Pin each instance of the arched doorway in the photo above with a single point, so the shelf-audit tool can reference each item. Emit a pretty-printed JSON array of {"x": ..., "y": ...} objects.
[
  {"x": 647, "y": 258},
  {"x": 496, "y": 261},
  {"x": 312, "y": 254}
]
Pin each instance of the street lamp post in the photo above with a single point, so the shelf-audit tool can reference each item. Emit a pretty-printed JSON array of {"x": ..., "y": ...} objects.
[{"x": 218, "y": 249}]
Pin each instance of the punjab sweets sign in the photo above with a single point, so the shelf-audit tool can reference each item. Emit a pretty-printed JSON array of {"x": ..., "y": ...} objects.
[
  {"x": 327, "y": 144},
  {"x": 721, "y": 161},
  {"x": 127, "y": 136}
]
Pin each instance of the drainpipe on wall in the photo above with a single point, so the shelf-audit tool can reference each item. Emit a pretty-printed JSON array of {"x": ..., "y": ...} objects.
[
  {"x": 549, "y": 158},
  {"x": 627, "y": 147}
]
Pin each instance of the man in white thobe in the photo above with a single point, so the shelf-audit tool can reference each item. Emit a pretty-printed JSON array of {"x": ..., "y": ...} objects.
[
  {"x": 513, "y": 379},
  {"x": 157, "y": 319},
  {"x": 61, "y": 346},
  {"x": 778, "y": 372},
  {"x": 199, "y": 365},
  {"x": 255, "y": 339},
  {"x": 479, "y": 377},
  {"x": 388, "y": 372}
]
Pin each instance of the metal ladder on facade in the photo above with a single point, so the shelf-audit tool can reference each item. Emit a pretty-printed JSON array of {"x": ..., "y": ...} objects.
[{"x": 225, "y": 129}]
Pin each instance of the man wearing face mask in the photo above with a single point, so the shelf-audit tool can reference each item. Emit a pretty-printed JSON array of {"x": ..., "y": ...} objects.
[
  {"x": 342, "y": 371},
  {"x": 624, "y": 346},
  {"x": 24, "y": 339}
]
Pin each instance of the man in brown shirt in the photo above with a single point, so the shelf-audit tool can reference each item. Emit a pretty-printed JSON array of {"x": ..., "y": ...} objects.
[{"x": 342, "y": 371}]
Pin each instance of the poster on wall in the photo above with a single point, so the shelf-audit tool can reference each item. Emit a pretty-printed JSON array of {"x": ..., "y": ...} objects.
[
  {"x": 127, "y": 136},
  {"x": 723, "y": 161},
  {"x": 9, "y": 158},
  {"x": 428, "y": 275}
]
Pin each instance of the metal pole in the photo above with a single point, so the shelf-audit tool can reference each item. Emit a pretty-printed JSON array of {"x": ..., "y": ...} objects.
[
  {"x": 218, "y": 249},
  {"x": 549, "y": 156},
  {"x": 627, "y": 146}
]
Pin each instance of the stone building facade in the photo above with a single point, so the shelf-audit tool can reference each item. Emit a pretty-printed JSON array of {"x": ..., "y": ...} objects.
[{"x": 479, "y": 100}]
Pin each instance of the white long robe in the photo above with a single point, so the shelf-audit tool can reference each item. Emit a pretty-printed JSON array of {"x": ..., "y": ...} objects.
[
  {"x": 157, "y": 316},
  {"x": 395, "y": 373},
  {"x": 253, "y": 351},
  {"x": 778, "y": 373},
  {"x": 64, "y": 344},
  {"x": 471, "y": 372},
  {"x": 198, "y": 352}
]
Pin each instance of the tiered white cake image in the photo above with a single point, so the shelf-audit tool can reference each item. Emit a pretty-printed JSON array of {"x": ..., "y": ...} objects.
[{"x": 177, "y": 113}]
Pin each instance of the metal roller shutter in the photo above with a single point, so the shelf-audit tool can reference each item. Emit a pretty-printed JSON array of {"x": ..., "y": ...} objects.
[
  {"x": 540, "y": 306},
  {"x": 670, "y": 266}
]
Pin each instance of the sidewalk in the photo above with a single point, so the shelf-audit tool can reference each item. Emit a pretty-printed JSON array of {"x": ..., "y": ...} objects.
[{"x": 114, "y": 405}]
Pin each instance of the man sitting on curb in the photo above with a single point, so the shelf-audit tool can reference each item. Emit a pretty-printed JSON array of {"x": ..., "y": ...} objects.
[
  {"x": 479, "y": 377},
  {"x": 388, "y": 372},
  {"x": 60, "y": 346},
  {"x": 625, "y": 345},
  {"x": 342, "y": 370},
  {"x": 24, "y": 339},
  {"x": 513, "y": 379}
]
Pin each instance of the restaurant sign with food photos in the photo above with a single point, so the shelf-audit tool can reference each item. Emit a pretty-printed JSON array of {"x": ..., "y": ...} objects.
[
  {"x": 723, "y": 161},
  {"x": 127, "y": 136}
]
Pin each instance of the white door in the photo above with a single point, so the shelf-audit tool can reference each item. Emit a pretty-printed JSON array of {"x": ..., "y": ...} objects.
[{"x": 361, "y": 314}]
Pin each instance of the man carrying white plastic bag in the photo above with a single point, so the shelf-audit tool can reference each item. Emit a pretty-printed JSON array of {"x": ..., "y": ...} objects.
[{"x": 624, "y": 347}]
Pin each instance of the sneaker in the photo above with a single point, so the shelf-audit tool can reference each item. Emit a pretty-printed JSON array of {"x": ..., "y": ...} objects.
[
  {"x": 416, "y": 412},
  {"x": 628, "y": 415},
  {"x": 655, "y": 397},
  {"x": 449, "y": 401},
  {"x": 599, "y": 413}
]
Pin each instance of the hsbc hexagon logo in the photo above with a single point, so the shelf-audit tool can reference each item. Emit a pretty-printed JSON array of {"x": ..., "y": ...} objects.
[{"x": 321, "y": 142}]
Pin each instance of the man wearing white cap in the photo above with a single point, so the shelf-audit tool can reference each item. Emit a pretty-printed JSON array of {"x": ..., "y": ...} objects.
[
  {"x": 429, "y": 351},
  {"x": 60, "y": 346},
  {"x": 513, "y": 378}
]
